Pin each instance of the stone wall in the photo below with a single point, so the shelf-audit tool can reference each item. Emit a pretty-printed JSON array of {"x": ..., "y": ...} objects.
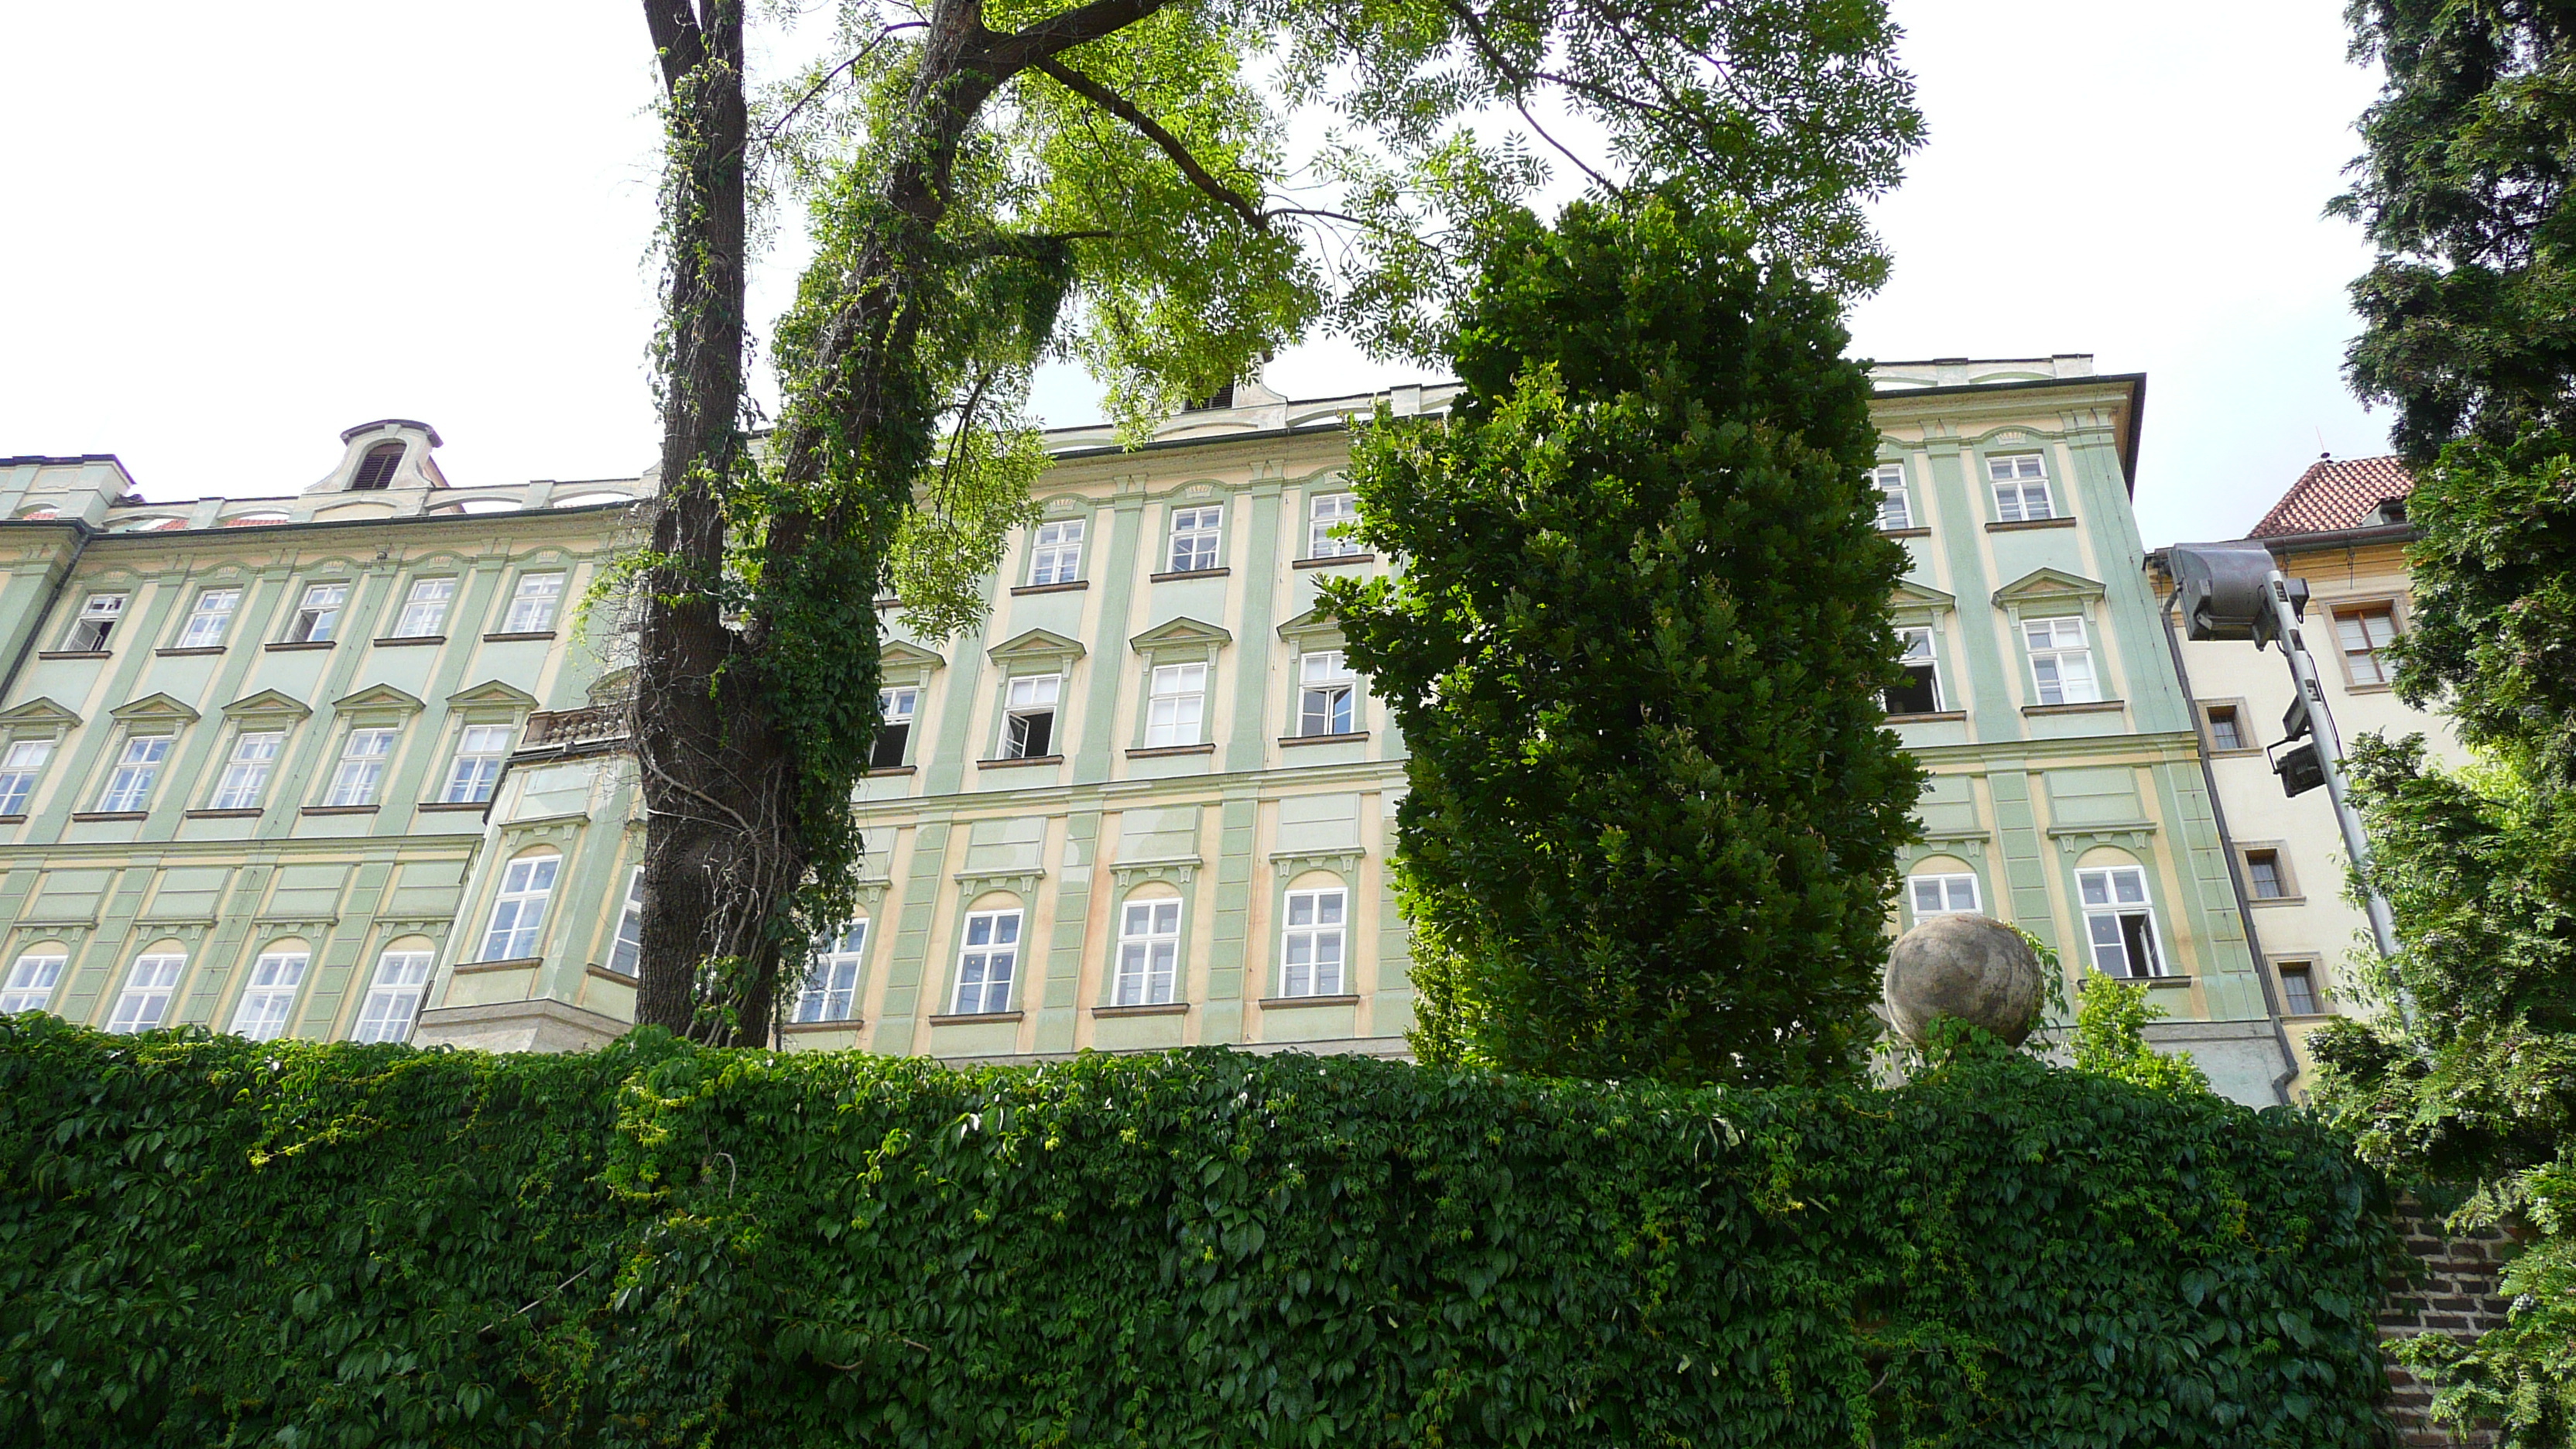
[{"x": 2450, "y": 1288}]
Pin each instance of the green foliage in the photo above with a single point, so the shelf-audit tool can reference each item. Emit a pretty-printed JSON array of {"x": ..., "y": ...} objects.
[
  {"x": 1636, "y": 651},
  {"x": 205, "y": 1240},
  {"x": 2470, "y": 313},
  {"x": 2111, "y": 1039}
]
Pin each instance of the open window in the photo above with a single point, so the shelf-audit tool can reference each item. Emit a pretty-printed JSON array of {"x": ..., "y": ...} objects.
[
  {"x": 894, "y": 734},
  {"x": 376, "y": 469},
  {"x": 1327, "y": 694},
  {"x": 95, "y": 624},
  {"x": 2120, "y": 922},
  {"x": 317, "y": 618},
  {"x": 1028, "y": 716},
  {"x": 1921, "y": 692}
]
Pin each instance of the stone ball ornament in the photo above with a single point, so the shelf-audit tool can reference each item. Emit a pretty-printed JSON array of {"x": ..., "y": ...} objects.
[{"x": 1975, "y": 968}]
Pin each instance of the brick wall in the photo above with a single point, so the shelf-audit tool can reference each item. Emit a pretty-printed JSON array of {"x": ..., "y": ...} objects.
[{"x": 2450, "y": 1288}]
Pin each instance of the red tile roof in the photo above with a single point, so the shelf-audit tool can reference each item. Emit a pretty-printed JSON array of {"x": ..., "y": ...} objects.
[{"x": 2335, "y": 495}]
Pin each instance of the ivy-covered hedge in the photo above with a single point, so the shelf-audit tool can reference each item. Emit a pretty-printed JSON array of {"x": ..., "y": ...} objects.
[{"x": 211, "y": 1241}]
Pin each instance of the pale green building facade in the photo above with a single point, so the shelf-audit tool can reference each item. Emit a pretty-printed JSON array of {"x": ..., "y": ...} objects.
[{"x": 1144, "y": 806}]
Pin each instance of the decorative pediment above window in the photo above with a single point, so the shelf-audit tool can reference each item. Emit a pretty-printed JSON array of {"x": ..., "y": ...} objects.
[
  {"x": 611, "y": 688},
  {"x": 378, "y": 699},
  {"x": 901, "y": 663},
  {"x": 1180, "y": 641},
  {"x": 1916, "y": 601},
  {"x": 1313, "y": 629},
  {"x": 491, "y": 696},
  {"x": 267, "y": 705},
  {"x": 153, "y": 709},
  {"x": 1039, "y": 651},
  {"x": 1065, "y": 505},
  {"x": 1341, "y": 860},
  {"x": 1128, "y": 874},
  {"x": 2044, "y": 591},
  {"x": 37, "y": 716}
]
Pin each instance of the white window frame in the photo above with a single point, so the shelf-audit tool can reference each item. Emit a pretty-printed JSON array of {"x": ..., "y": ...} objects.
[
  {"x": 424, "y": 610},
  {"x": 626, "y": 948},
  {"x": 268, "y": 997},
  {"x": 151, "y": 984},
  {"x": 898, "y": 708},
  {"x": 22, "y": 768},
  {"x": 95, "y": 624},
  {"x": 985, "y": 992},
  {"x": 1895, "y": 506},
  {"x": 365, "y": 754},
  {"x": 2019, "y": 482},
  {"x": 1055, "y": 552},
  {"x": 516, "y": 928},
  {"x": 1149, "y": 952},
  {"x": 32, "y": 979},
  {"x": 317, "y": 617},
  {"x": 1024, "y": 699},
  {"x": 247, "y": 768},
  {"x": 534, "y": 602},
  {"x": 1927, "y": 656},
  {"x": 1197, "y": 541},
  {"x": 830, "y": 991},
  {"x": 475, "y": 768},
  {"x": 137, "y": 771},
  {"x": 393, "y": 998},
  {"x": 2109, "y": 911},
  {"x": 1946, "y": 891},
  {"x": 1176, "y": 705},
  {"x": 1326, "y": 512},
  {"x": 1323, "y": 674},
  {"x": 1315, "y": 938},
  {"x": 2049, "y": 661},
  {"x": 209, "y": 619},
  {"x": 2372, "y": 653}
]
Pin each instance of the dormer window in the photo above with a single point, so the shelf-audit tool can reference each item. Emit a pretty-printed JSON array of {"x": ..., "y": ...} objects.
[
  {"x": 1220, "y": 399},
  {"x": 376, "y": 470}
]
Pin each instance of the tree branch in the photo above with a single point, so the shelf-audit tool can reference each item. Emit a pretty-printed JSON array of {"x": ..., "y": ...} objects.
[
  {"x": 1007, "y": 54},
  {"x": 830, "y": 75},
  {"x": 1152, "y": 130},
  {"x": 676, "y": 39}
]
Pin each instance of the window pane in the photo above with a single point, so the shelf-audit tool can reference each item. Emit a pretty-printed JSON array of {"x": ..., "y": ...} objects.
[
  {"x": 532, "y": 606},
  {"x": 425, "y": 611}
]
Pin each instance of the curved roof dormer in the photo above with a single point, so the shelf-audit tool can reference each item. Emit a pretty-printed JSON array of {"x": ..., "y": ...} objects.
[{"x": 387, "y": 455}]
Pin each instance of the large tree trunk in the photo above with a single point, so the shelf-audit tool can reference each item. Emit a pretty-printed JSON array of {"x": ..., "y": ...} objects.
[{"x": 719, "y": 854}]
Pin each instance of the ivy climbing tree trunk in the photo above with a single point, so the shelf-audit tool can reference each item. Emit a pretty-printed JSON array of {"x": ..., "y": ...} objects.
[{"x": 718, "y": 841}]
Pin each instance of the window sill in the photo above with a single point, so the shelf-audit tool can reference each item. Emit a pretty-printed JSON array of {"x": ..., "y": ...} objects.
[
  {"x": 1278, "y": 1003},
  {"x": 2090, "y": 706},
  {"x": 2254, "y": 900},
  {"x": 847, "y": 1023},
  {"x": 1155, "y": 752},
  {"x": 453, "y": 805},
  {"x": 1025, "y": 760},
  {"x": 1341, "y": 739},
  {"x": 1159, "y": 1008},
  {"x": 2368, "y": 688},
  {"x": 2239, "y": 753},
  {"x": 86, "y": 816},
  {"x": 252, "y": 814},
  {"x": 973, "y": 1017},
  {"x": 1187, "y": 574},
  {"x": 2152, "y": 982},
  {"x": 1905, "y": 533},
  {"x": 13, "y": 819},
  {"x": 606, "y": 974},
  {"x": 2025, "y": 525},
  {"x": 517, "y": 636},
  {"x": 405, "y": 641},
  {"x": 883, "y": 772},
  {"x": 1928, "y": 717},
  {"x": 340, "y": 809},
  {"x": 1330, "y": 560},
  {"x": 515, "y": 963},
  {"x": 296, "y": 646},
  {"x": 1064, "y": 588},
  {"x": 2304, "y": 1017},
  {"x": 73, "y": 654},
  {"x": 188, "y": 653}
]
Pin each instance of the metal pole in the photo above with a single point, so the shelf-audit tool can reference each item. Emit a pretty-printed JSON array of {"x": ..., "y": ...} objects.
[{"x": 2303, "y": 674}]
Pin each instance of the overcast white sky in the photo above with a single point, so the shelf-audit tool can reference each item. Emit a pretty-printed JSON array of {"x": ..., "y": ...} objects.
[{"x": 227, "y": 234}]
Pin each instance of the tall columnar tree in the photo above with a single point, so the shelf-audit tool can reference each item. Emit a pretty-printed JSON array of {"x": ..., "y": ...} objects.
[
  {"x": 2471, "y": 334},
  {"x": 1637, "y": 652},
  {"x": 991, "y": 183}
]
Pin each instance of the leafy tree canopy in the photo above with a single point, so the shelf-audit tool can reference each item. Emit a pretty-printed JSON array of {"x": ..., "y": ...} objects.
[{"x": 1636, "y": 652}]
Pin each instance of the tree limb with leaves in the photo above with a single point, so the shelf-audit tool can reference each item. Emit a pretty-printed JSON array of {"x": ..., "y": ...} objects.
[{"x": 991, "y": 184}]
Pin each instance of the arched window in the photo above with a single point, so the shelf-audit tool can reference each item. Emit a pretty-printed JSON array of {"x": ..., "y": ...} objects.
[
  {"x": 376, "y": 470},
  {"x": 401, "y": 975},
  {"x": 149, "y": 985},
  {"x": 831, "y": 988},
  {"x": 31, "y": 979},
  {"x": 274, "y": 979},
  {"x": 1942, "y": 886},
  {"x": 520, "y": 911}
]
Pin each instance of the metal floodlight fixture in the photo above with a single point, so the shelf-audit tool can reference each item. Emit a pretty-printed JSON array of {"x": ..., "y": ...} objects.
[
  {"x": 2300, "y": 770},
  {"x": 2294, "y": 720},
  {"x": 2226, "y": 591}
]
